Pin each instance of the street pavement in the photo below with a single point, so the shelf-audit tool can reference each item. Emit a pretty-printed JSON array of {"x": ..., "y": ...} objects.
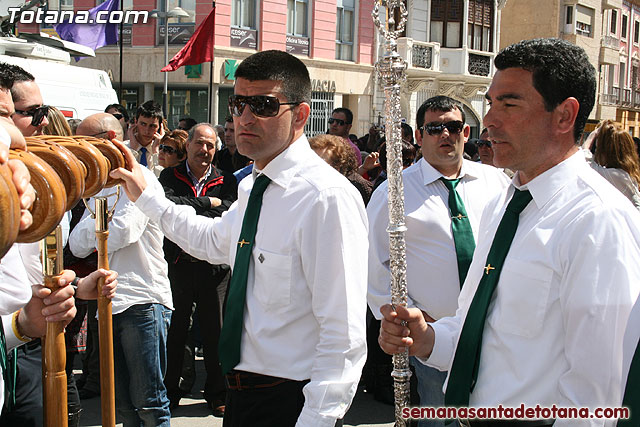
[{"x": 193, "y": 412}]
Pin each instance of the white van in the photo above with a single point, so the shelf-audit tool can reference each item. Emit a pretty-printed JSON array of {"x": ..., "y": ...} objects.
[{"x": 76, "y": 91}]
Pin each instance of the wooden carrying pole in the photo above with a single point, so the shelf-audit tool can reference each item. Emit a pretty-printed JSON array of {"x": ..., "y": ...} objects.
[
  {"x": 105, "y": 326},
  {"x": 55, "y": 355}
]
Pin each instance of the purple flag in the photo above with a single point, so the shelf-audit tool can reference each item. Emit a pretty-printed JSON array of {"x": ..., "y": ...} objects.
[{"x": 92, "y": 35}]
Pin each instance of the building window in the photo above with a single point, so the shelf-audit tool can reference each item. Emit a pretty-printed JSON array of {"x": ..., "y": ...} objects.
[
  {"x": 569, "y": 20},
  {"x": 297, "y": 17},
  {"x": 614, "y": 21},
  {"x": 446, "y": 20},
  {"x": 344, "y": 29},
  {"x": 623, "y": 27},
  {"x": 636, "y": 31},
  {"x": 243, "y": 13},
  {"x": 584, "y": 20},
  {"x": 480, "y": 28}
]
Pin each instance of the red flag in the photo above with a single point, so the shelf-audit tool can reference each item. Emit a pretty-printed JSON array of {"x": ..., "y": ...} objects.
[{"x": 199, "y": 48}]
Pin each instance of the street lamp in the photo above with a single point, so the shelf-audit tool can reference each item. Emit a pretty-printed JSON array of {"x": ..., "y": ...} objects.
[{"x": 176, "y": 12}]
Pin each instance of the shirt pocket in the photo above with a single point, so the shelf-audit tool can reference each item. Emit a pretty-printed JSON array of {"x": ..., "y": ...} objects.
[
  {"x": 522, "y": 298},
  {"x": 273, "y": 278}
]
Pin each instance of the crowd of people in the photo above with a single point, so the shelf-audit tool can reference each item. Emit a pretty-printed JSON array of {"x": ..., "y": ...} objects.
[{"x": 270, "y": 252}]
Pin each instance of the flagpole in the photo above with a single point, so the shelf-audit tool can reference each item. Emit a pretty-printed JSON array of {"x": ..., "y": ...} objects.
[
  {"x": 211, "y": 66},
  {"x": 120, "y": 91}
]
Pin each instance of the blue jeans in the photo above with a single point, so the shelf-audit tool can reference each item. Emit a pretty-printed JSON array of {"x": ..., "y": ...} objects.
[
  {"x": 140, "y": 356},
  {"x": 430, "y": 381}
]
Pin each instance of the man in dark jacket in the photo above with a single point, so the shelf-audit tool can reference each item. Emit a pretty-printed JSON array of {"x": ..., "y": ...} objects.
[{"x": 197, "y": 183}]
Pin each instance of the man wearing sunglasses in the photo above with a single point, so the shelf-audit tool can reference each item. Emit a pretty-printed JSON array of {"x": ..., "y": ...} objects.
[
  {"x": 484, "y": 148},
  {"x": 437, "y": 258},
  {"x": 340, "y": 125},
  {"x": 293, "y": 337},
  {"x": 30, "y": 114}
]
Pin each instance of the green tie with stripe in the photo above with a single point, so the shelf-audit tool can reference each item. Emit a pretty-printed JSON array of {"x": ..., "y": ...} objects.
[
  {"x": 231, "y": 333},
  {"x": 461, "y": 228},
  {"x": 464, "y": 369}
]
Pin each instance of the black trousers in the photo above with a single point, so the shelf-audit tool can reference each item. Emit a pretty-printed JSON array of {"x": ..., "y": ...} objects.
[
  {"x": 279, "y": 405},
  {"x": 197, "y": 282},
  {"x": 28, "y": 409}
]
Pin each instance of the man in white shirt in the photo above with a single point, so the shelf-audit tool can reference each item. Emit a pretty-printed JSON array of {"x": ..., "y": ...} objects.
[
  {"x": 552, "y": 328},
  {"x": 145, "y": 135},
  {"x": 142, "y": 307},
  {"x": 433, "y": 270},
  {"x": 302, "y": 341}
]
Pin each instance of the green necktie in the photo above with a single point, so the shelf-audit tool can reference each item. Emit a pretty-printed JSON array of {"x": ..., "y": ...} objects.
[
  {"x": 631, "y": 397},
  {"x": 231, "y": 334},
  {"x": 461, "y": 227},
  {"x": 464, "y": 370}
]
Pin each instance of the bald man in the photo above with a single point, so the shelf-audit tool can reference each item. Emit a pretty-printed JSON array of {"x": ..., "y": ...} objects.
[
  {"x": 101, "y": 125},
  {"x": 142, "y": 307}
]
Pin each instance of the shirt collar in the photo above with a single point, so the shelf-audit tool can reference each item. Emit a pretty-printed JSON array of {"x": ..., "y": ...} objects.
[
  {"x": 431, "y": 174},
  {"x": 550, "y": 182},
  {"x": 193, "y": 177},
  {"x": 285, "y": 165}
]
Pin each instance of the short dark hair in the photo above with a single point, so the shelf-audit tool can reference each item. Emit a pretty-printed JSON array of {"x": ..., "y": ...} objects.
[
  {"x": 560, "y": 70},
  {"x": 407, "y": 132},
  {"x": 278, "y": 66},
  {"x": 228, "y": 119},
  {"x": 438, "y": 103},
  {"x": 347, "y": 113},
  {"x": 189, "y": 123},
  {"x": 120, "y": 109},
  {"x": 10, "y": 75},
  {"x": 150, "y": 109}
]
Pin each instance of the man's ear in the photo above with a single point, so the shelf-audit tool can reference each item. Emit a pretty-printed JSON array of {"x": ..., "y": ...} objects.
[
  {"x": 301, "y": 114},
  {"x": 564, "y": 117},
  {"x": 418, "y": 137},
  {"x": 111, "y": 134}
]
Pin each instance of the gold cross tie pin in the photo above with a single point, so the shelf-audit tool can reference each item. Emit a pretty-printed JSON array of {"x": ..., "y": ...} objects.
[
  {"x": 243, "y": 242},
  {"x": 459, "y": 216},
  {"x": 488, "y": 267}
]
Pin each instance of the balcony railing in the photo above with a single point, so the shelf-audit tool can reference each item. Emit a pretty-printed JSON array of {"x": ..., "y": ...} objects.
[
  {"x": 425, "y": 55},
  {"x": 479, "y": 65},
  {"x": 626, "y": 98},
  {"x": 611, "y": 98},
  {"x": 611, "y": 42}
]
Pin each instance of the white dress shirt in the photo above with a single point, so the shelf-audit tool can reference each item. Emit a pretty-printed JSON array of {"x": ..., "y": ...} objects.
[
  {"x": 306, "y": 289},
  {"x": 553, "y": 333},
  {"x": 135, "y": 251},
  {"x": 433, "y": 283},
  {"x": 152, "y": 155}
]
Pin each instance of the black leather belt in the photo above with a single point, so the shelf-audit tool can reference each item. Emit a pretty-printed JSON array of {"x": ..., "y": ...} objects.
[
  {"x": 505, "y": 423},
  {"x": 241, "y": 380}
]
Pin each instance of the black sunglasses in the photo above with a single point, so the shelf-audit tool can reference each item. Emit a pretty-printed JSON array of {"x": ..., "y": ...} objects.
[
  {"x": 167, "y": 149},
  {"x": 482, "y": 142},
  {"x": 117, "y": 115},
  {"x": 37, "y": 114},
  {"x": 454, "y": 127},
  {"x": 340, "y": 122},
  {"x": 260, "y": 105}
]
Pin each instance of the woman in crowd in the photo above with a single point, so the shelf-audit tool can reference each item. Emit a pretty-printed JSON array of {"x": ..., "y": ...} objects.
[
  {"x": 616, "y": 159},
  {"x": 172, "y": 148}
]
